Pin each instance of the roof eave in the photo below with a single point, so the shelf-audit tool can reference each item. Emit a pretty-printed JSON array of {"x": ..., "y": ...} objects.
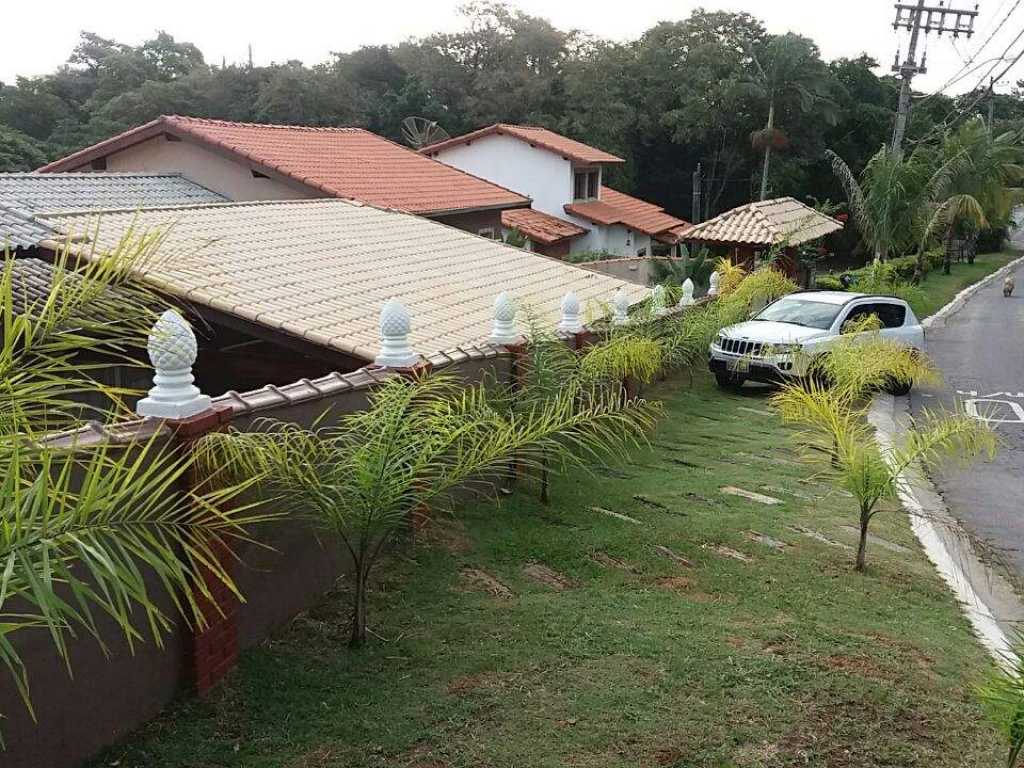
[
  {"x": 499, "y": 129},
  {"x": 106, "y": 147},
  {"x": 526, "y": 203}
]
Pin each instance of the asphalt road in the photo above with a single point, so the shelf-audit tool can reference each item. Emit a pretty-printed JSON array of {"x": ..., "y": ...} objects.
[{"x": 980, "y": 349}]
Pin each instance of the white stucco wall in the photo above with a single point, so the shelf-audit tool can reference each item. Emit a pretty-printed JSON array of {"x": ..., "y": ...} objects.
[
  {"x": 541, "y": 175},
  {"x": 545, "y": 177},
  {"x": 232, "y": 179},
  {"x": 611, "y": 239}
]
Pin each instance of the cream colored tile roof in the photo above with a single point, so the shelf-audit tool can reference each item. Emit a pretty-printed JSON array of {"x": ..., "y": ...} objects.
[
  {"x": 321, "y": 269},
  {"x": 782, "y": 221}
]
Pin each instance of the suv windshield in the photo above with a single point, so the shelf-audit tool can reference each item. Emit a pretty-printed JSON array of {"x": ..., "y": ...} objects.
[{"x": 810, "y": 314}]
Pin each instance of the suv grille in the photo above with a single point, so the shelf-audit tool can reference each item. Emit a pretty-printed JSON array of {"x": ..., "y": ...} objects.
[{"x": 740, "y": 347}]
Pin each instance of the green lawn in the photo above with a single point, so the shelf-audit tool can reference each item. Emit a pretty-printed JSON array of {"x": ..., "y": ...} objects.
[
  {"x": 940, "y": 289},
  {"x": 520, "y": 635}
]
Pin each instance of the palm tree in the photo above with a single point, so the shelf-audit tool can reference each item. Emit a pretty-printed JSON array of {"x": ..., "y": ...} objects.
[
  {"x": 886, "y": 202},
  {"x": 789, "y": 67},
  {"x": 1003, "y": 697},
  {"x": 837, "y": 433},
  {"x": 364, "y": 477},
  {"x": 550, "y": 369},
  {"x": 977, "y": 181},
  {"x": 81, "y": 527}
]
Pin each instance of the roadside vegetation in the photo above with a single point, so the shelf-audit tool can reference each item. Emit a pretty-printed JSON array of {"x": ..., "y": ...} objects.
[
  {"x": 918, "y": 213},
  {"x": 832, "y": 410},
  {"x": 655, "y": 613},
  {"x": 1003, "y": 697}
]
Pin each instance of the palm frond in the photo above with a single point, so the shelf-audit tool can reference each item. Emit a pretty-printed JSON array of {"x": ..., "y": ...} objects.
[{"x": 82, "y": 529}]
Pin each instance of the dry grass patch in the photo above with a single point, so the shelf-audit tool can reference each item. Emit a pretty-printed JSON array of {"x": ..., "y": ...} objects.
[
  {"x": 549, "y": 577},
  {"x": 479, "y": 580}
]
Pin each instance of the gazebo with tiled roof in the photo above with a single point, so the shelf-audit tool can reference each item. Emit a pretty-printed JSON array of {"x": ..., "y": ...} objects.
[{"x": 758, "y": 227}]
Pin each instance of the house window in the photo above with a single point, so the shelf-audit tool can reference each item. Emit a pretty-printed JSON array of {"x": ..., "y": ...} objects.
[
  {"x": 629, "y": 238},
  {"x": 642, "y": 252},
  {"x": 585, "y": 185},
  {"x": 487, "y": 232},
  {"x": 99, "y": 164}
]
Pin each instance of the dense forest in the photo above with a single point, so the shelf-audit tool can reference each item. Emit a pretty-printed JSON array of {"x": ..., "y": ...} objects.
[{"x": 686, "y": 92}]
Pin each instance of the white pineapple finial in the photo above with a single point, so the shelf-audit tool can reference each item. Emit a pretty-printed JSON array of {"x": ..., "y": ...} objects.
[
  {"x": 687, "y": 299},
  {"x": 504, "y": 329},
  {"x": 621, "y": 316},
  {"x": 395, "y": 351},
  {"x": 713, "y": 283},
  {"x": 172, "y": 349},
  {"x": 570, "y": 322}
]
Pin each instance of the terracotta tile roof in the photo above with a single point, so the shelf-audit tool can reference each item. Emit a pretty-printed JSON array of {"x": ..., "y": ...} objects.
[
  {"x": 532, "y": 134},
  {"x": 337, "y": 162},
  {"x": 540, "y": 227},
  {"x": 321, "y": 269},
  {"x": 767, "y": 222},
  {"x": 674, "y": 234},
  {"x": 22, "y": 195},
  {"x": 615, "y": 207}
]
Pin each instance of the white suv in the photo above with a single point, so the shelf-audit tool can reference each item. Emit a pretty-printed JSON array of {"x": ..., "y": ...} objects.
[{"x": 780, "y": 341}]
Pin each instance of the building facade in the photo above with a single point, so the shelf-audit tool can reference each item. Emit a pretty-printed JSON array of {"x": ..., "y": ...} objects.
[{"x": 565, "y": 180}]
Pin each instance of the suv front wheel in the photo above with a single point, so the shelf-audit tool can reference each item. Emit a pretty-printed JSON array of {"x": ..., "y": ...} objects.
[{"x": 730, "y": 381}]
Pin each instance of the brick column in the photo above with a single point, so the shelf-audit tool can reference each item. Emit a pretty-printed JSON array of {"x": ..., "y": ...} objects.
[
  {"x": 517, "y": 373},
  {"x": 212, "y": 650}
]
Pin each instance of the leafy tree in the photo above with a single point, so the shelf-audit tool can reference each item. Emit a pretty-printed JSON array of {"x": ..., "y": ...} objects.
[
  {"x": 419, "y": 439},
  {"x": 691, "y": 107},
  {"x": 31, "y": 108},
  {"x": 684, "y": 93},
  {"x": 19, "y": 152},
  {"x": 294, "y": 94},
  {"x": 171, "y": 59}
]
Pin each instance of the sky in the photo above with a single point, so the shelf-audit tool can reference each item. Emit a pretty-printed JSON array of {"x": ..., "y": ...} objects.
[{"x": 38, "y": 38}]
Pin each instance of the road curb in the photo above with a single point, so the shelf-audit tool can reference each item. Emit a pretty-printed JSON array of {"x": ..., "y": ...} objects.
[
  {"x": 961, "y": 298},
  {"x": 986, "y": 597}
]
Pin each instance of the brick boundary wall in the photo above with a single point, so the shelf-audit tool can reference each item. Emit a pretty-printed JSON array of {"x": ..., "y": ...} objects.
[{"x": 209, "y": 653}]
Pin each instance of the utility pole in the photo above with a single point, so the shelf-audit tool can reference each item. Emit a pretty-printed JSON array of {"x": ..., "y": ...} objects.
[
  {"x": 918, "y": 17},
  {"x": 991, "y": 100},
  {"x": 695, "y": 208}
]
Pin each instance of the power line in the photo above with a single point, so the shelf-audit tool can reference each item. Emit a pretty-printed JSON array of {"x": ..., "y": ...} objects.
[
  {"x": 961, "y": 74},
  {"x": 994, "y": 25},
  {"x": 956, "y": 112},
  {"x": 995, "y": 63},
  {"x": 923, "y": 98}
]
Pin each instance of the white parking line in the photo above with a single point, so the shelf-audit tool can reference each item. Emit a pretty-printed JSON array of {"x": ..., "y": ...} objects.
[{"x": 986, "y": 414}]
